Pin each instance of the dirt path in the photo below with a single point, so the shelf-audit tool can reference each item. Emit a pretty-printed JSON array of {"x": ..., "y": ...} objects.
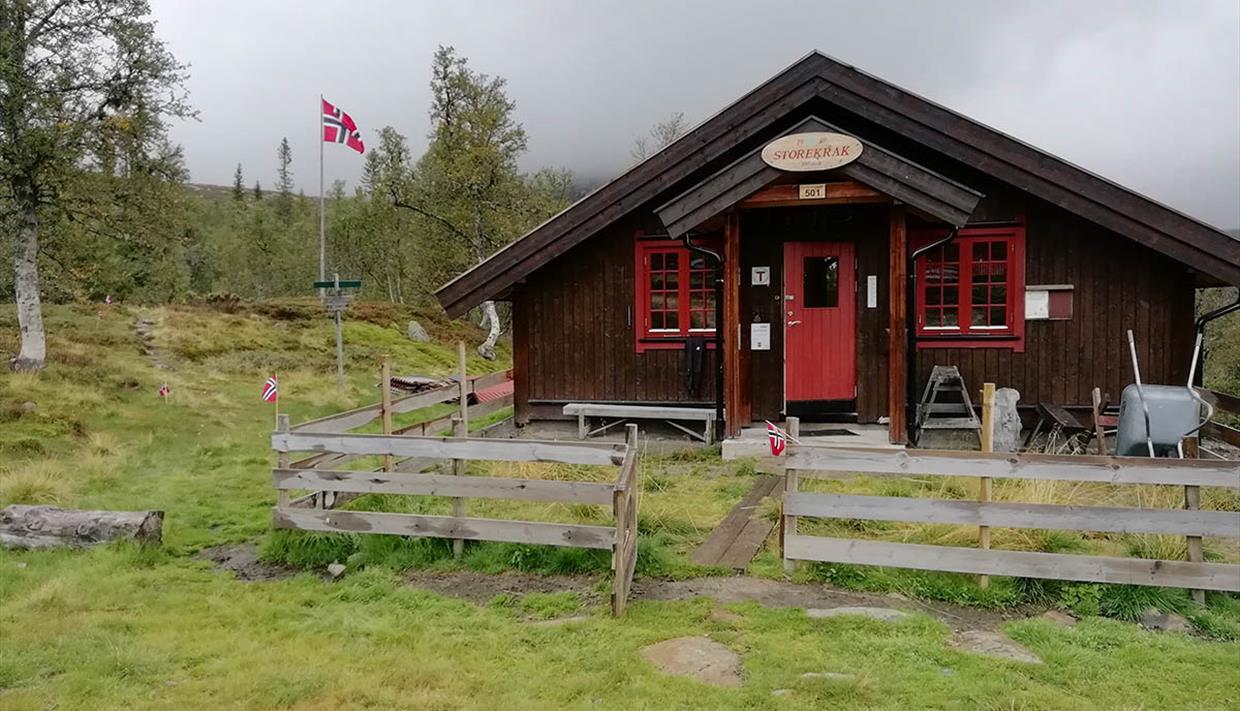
[
  {"x": 480, "y": 588},
  {"x": 142, "y": 328}
]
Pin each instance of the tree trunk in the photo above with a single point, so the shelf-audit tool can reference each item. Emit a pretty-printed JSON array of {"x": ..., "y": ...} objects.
[
  {"x": 487, "y": 349},
  {"x": 33, "y": 353},
  {"x": 29, "y": 527}
]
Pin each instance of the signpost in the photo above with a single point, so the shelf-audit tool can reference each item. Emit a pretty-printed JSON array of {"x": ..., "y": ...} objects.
[{"x": 336, "y": 302}]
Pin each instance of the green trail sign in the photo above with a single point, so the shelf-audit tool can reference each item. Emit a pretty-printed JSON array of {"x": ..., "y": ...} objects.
[{"x": 343, "y": 284}]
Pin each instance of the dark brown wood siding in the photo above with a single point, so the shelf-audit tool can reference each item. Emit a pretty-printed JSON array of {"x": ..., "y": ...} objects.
[
  {"x": 576, "y": 317},
  {"x": 1118, "y": 285}
]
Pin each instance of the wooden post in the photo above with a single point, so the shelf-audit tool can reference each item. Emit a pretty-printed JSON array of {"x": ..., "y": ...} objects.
[
  {"x": 791, "y": 484},
  {"x": 897, "y": 328},
  {"x": 385, "y": 384},
  {"x": 1099, "y": 432},
  {"x": 460, "y": 363},
  {"x": 458, "y": 469},
  {"x": 735, "y": 396},
  {"x": 983, "y": 488},
  {"x": 1192, "y": 502},
  {"x": 282, "y": 495}
]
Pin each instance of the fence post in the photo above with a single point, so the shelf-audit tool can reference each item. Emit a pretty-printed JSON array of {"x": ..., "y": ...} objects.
[
  {"x": 385, "y": 384},
  {"x": 282, "y": 495},
  {"x": 1192, "y": 502},
  {"x": 983, "y": 488},
  {"x": 458, "y": 469},
  {"x": 460, "y": 364},
  {"x": 788, "y": 524}
]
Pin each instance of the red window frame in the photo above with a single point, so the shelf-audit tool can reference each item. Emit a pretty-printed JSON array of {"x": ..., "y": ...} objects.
[
  {"x": 971, "y": 291},
  {"x": 663, "y": 321}
]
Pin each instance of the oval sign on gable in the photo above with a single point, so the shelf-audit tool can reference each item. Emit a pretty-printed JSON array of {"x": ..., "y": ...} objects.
[{"x": 811, "y": 151}]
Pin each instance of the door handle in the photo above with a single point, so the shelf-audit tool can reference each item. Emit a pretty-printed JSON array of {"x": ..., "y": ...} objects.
[{"x": 793, "y": 323}]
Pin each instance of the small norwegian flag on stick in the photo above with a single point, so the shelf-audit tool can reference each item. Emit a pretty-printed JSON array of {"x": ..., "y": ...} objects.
[
  {"x": 164, "y": 391},
  {"x": 777, "y": 438},
  {"x": 271, "y": 393}
]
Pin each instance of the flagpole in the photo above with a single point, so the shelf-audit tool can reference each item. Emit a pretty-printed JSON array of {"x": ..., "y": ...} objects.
[
  {"x": 322, "y": 205},
  {"x": 275, "y": 375}
]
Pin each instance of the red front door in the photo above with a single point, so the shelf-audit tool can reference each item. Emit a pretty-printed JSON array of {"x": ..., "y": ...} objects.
[{"x": 820, "y": 346}]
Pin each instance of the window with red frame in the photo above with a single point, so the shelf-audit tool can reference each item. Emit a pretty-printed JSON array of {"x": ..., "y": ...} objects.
[
  {"x": 973, "y": 287},
  {"x": 675, "y": 292}
]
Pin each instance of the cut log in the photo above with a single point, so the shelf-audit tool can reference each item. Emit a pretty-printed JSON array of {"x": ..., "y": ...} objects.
[{"x": 30, "y": 527}]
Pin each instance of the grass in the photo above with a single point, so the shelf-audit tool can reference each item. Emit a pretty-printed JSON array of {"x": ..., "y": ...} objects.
[{"x": 122, "y": 627}]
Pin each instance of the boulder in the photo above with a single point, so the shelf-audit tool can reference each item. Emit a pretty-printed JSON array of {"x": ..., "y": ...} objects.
[
  {"x": 698, "y": 658},
  {"x": 885, "y": 614},
  {"x": 416, "y": 333},
  {"x": 335, "y": 570},
  {"x": 1158, "y": 621},
  {"x": 992, "y": 644},
  {"x": 1059, "y": 617},
  {"x": 1007, "y": 420}
]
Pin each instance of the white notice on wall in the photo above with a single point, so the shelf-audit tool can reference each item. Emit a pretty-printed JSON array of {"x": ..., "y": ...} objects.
[
  {"x": 759, "y": 336},
  {"x": 1037, "y": 305},
  {"x": 871, "y": 291}
]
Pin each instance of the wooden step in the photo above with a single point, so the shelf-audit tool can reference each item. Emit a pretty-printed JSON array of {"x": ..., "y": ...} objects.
[{"x": 951, "y": 423}]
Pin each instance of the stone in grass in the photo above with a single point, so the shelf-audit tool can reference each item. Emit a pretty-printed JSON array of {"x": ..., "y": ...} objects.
[
  {"x": 992, "y": 644},
  {"x": 886, "y": 614},
  {"x": 830, "y": 676},
  {"x": 781, "y": 692},
  {"x": 698, "y": 658},
  {"x": 416, "y": 333},
  {"x": 1059, "y": 617},
  {"x": 560, "y": 621},
  {"x": 1158, "y": 621},
  {"x": 335, "y": 570}
]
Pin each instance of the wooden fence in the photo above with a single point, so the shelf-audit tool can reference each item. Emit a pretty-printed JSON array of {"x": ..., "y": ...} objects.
[{"x": 810, "y": 461}]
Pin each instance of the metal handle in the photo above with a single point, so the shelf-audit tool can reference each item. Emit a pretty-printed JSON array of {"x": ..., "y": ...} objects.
[{"x": 793, "y": 323}]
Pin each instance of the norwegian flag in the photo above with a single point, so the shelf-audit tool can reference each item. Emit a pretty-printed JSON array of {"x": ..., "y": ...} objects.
[
  {"x": 777, "y": 438},
  {"x": 164, "y": 390},
  {"x": 338, "y": 127},
  {"x": 271, "y": 390}
]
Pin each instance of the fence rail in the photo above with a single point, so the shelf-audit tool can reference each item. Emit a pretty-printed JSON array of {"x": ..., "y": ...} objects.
[
  {"x": 817, "y": 461},
  {"x": 331, "y": 486}
]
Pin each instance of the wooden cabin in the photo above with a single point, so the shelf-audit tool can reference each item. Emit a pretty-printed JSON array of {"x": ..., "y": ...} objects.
[{"x": 865, "y": 235}]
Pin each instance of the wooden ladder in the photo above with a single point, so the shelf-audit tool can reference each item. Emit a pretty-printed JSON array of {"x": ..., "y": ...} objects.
[{"x": 932, "y": 414}]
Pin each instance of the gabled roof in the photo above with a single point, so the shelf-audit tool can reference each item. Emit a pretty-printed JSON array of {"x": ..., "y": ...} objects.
[
  {"x": 934, "y": 194},
  {"x": 819, "y": 78}
]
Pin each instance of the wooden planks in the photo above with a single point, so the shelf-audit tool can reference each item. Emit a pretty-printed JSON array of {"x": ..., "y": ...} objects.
[
  {"x": 897, "y": 327},
  {"x": 352, "y": 419},
  {"x": 504, "y": 450},
  {"x": 473, "y": 529},
  {"x": 1015, "y": 515},
  {"x": 1053, "y": 566},
  {"x": 1109, "y": 470},
  {"x": 740, "y": 535},
  {"x": 577, "y": 492}
]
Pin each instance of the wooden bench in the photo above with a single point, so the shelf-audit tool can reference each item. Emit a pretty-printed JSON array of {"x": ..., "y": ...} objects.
[{"x": 620, "y": 413}]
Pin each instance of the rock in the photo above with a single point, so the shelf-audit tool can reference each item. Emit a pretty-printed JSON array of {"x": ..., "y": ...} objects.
[
  {"x": 29, "y": 406},
  {"x": 560, "y": 621},
  {"x": 1059, "y": 617},
  {"x": 415, "y": 332},
  {"x": 335, "y": 570},
  {"x": 947, "y": 671},
  {"x": 698, "y": 658},
  {"x": 992, "y": 644},
  {"x": 781, "y": 692},
  {"x": 20, "y": 564},
  {"x": 885, "y": 614},
  {"x": 1007, "y": 420},
  {"x": 724, "y": 616},
  {"x": 832, "y": 676},
  {"x": 1157, "y": 621}
]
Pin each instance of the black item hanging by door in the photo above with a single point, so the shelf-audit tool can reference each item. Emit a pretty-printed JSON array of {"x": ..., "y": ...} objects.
[{"x": 695, "y": 359}]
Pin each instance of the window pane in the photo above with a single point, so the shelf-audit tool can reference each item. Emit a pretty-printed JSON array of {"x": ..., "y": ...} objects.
[
  {"x": 998, "y": 251},
  {"x": 697, "y": 261},
  {"x": 673, "y": 301},
  {"x": 934, "y": 296},
  {"x": 671, "y": 319},
  {"x": 656, "y": 301},
  {"x": 673, "y": 280},
  {"x": 656, "y": 320},
  {"x": 979, "y": 317},
  {"x": 998, "y": 316},
  {"x": 710, "y": 319},
  {"x": 980, "y": 295},
  {"x": 696, "y": 280},
  {"x": 951, "y": 295},
  {"x": 981, "y": 251},
  {"x": 671, "y": 260},
  {"x": 998, "y": 272},
  {"x": 656, "y": 261},
  {"x": 821, "y": 282},
  {"x": 697, "y": 300},
  {"x": 934, "y": 317},
  {"x": 697, "y": 319},
  {"x": 998, "y": 294},
  {"x": 656, "y": 281},
  {"x": 951, "y": 252},
  {"x": 950, "y": 318}
]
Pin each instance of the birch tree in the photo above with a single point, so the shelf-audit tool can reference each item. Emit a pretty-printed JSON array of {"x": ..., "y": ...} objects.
[{"x": 66, "y": 68}]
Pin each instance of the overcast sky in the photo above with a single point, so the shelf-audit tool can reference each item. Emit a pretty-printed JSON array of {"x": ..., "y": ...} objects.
[{"x": 1145, "y": 93}]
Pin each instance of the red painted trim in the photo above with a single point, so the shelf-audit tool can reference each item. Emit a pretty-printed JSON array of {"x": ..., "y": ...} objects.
[
  {"x": 644, "y": 338},
  {"x": 1012, "y": 337}
]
